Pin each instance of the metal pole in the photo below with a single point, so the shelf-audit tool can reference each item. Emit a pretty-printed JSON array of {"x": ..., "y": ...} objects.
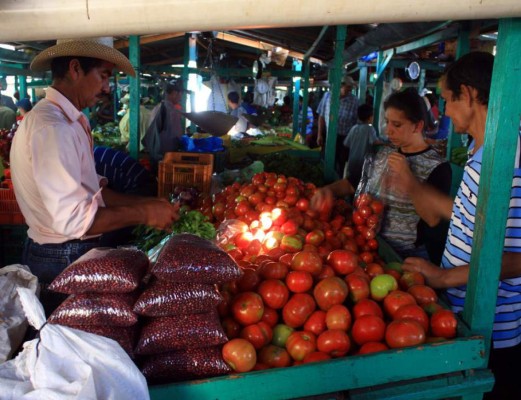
[{"x": 134, "y": 52}]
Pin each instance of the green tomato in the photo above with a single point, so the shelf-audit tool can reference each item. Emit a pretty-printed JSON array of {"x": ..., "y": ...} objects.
[
  {"x": 381, "y": 285},
  {"x": 281, "y": 333}
]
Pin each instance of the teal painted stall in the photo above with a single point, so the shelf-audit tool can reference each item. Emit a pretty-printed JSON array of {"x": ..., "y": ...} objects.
[{"x": 455, "y": 368}]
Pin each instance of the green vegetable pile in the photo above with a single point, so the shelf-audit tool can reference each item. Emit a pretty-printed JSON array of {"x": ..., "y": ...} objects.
[
  {"x": 190, "y": 221},
  {"x": 289, "y": 165},
  {"x": 459, "y": 156}
]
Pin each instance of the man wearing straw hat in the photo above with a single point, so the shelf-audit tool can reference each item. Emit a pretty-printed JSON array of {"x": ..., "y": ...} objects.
[{"x": 63, "y": 200}]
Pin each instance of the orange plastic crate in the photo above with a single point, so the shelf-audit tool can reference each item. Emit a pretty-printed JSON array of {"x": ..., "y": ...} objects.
[
  {"x": 10, "y": 213},
  {"x": 185, "y": 169}
]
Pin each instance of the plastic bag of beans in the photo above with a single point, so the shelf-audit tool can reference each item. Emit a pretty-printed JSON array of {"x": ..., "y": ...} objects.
[
  {"x": 125, "y": 336},
  {"x": 103, "y": 270},
  {"x": 177, "y": 332},
  {"x": 189, "y": 258},
  {"x": 95, "y": 309},
  {"x": 184, "y": 365},
  {"x": 162, "y": 298}
]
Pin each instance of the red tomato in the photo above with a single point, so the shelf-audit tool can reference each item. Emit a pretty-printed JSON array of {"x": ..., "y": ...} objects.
[
  {"x": 343, "y": 261},
  {"x": 300, "y": 344},
  {"x": 365, "y": 211},
  {"x": 410, "y": 278},
  {"x": 291, "y": 243},
  {"x": 368, "y": 328},
  {"x": 279, "y": 216},
  {"x": 358, "y": 219},
  {"x": 299, "y": 281},
  {"x": 336, "y": 343},
  {"x": 330, "y": 291},
  {"x": 274, "y": 293},
  {"x": 240, "y": 355},
  {"x": 302, "y": 204},
  {"x": 309, "y": 261},
  {"x": 248, "y": 281},
  {"x": 372, "y": 347},
  {"x": 290, "y": 227},
  {"x": 431, "y": 308},
  {"x": 286, "y": 259},
  {"x": 338, "y": 317},
  {"x": 413, "y": 311},
  {"x": 315, "y": 237},
  {"x": 363, "y": 199},
  {"x": 367, "y": 307},
  {"x": 404, "y": 333},
  {"x": 396, "y": 299},
  {"x": 377, "y": 206},
  {"x": 316, "y": 323},
  {"x": 274, "y": 356},
  {"x": 231, "y": 327},
  {"x": 366, "y": 257},
  {"x": 374, "y": 269},
  {"x": 247, "y": 308},
  {"x": 270, "y": 316},
  {"x": 273, "y": 270},
  {"x": 316, "y": 356},
  {"x": 326, "y": 272},
  {"x": 444, "y": 324},
  {"x": 259, "y": 334},
  {"x": 298, "y": 309},
  {"x": 423, "y": 294}
]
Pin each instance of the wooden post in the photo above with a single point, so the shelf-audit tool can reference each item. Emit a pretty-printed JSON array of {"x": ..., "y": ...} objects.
[{"x": 134, "y": 52}]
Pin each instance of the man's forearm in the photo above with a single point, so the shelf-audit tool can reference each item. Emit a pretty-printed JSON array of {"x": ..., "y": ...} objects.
[
  {"x": 109, "y": 219},
  {"x": 431, "y": 204},
  {"x": 112, "y": 198}
]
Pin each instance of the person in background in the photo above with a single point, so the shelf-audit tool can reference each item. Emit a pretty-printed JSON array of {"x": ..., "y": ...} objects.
[
  {"x": 144, "y": 121},
  {"x": 402, "y": 226},
  {"x": 309, "y": 119},
  {"x": 359, "y": 142},
  {"x": 24, "y": 106},
  {"x": 105, "y": 110},
  {"x": 66, "y": 204},
  {"x": 165, "y": 130},
  {"x": 7, "y": 117},
  {"x": 347, "y": 117},
  {"x": 247, "y": 104},
  {"x": 286, "y": 111},
  {"x": 6, "y": 101},
  {"x": 465, "y": 87},
  {"x": 237, "y": 111},
  {"x": 124, "y": 175}
]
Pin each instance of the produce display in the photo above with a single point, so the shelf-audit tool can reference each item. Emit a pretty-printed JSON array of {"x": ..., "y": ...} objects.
[
  {"x": 459, "y": 155},
  {"x": 313, "y": 285}
]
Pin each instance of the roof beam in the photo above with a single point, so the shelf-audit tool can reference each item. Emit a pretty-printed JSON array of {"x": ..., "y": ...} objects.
[
  {"x": 122, "y": 44},
  {"x": 15, "y": 56},
  {"x": 263, "y": 46},
  {"x": 428, "y": 40}
]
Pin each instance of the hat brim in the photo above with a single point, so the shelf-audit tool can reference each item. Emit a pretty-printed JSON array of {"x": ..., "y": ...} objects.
[
  {"x": 216, "y": 123},
  {"x": 82, "y": 48}
]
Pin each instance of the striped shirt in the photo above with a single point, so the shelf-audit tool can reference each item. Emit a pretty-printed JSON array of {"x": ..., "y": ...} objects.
[
  {"x": 507, "y": 323},
  {"x": 347, "y": 112},
  {"x": 124, "y": 174}
]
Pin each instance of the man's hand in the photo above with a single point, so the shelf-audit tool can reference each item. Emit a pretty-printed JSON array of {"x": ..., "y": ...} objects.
[
  {"x": 160, "y": 213},
  {"x": 433, "y": 274}
]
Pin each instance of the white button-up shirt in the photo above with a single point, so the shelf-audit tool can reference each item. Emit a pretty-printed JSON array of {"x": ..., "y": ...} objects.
[{"x": 53, "y": 172}]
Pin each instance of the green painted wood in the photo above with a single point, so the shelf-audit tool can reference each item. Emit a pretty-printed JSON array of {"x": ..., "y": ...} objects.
[
  {"x": 297, "y": 66},
  {"x": 394, "y": 63},
  {"x": 334, "y": 80},
  {"x": 305, "y": 96},
  {"x": 184, "y": 76},
  {"x": 15, "y": 56},
  {"x": 468, "y": 385},
  {"x": 421, "y": 81},
  {"x": 436, "y": 37},
  {"x": 383, "y": 62},
  {"x": 134, "y": 52},
  {"x": 341, "y": 374},
  {"x": 463, "y": 47},
  {"x": 115, "y": 96},
  {"x": 22, "y": 86},
  {"x": 499, "y": 150},
  {"x": 362, "y": 85},
  {"x": 14, "y": 69}
]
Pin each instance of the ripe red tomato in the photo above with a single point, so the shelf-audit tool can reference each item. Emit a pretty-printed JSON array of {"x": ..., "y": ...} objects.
[
  {"x": 274, "y": 293},
  {"x": 259, "y": 334},
  {"x": 444, "y": 324},
  {"x": 273, "y": 270},
  {"x": 404, "y": 333},
  {"x": 315, "y": 237},
  {"x": 299, "y": 281},
  {"x": 270, "y": 316},
  {"x": 309, "y": 261},
  {"x": 330, "y": 291},
  {"x": 302, "y": 204},
  {"x": 365, "y": 211},
  {"x": 358, "y": 219},
  {"x": 373, "y": 269},
  {"x": 316, "y": 356},
  {"x": 248, "y": 281},
  {"x": 326, "y": 272},
  {"x": 363, "y": 199},
  {"x": 396, "y": 299},
  {"x": 290, "y": 227},
  {"x": 343, "y": 261},
  {"x": 423, "y": 294},
  {"x": 274, "y": 356},
  {"x": 231, "y": 327},
  {"x": 377, "y": 206},
  {"x": 298, "y": 309},
  {"x": 336, "y": 343},
  {"x": 366, "y": 257},
  {"x": 316, "y": 323},
  {"x": 413, "y": 311},
  {"x": 300, "y": 344},
  {"x": 247, "y": 308},
  {"x": 372, "y": 347},
  {"x": 367, "y": 307},
  {"x": 368, "y": 328},
  {"x": 338, "y": 317},
  {"x": 240, "y": 355},
  {"x": 410, "y": 278}
]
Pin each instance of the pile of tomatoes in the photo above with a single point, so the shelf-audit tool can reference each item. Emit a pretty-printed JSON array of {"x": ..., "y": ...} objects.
[{"x": 313, "y": 286}]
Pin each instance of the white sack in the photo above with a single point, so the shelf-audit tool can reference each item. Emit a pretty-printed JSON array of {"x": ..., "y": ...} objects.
[{"x": 67, "y": 363}]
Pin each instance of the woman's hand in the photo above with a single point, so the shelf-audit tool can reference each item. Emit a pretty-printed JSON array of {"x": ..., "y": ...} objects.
[
  {"x": 434, "y": 275},
  {"x": 403, "y": 178}
]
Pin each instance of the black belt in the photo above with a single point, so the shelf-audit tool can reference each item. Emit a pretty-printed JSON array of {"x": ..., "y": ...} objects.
[{"x": 91, "y": 240}]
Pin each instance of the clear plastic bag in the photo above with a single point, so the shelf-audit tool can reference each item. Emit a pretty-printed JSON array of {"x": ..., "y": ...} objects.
[{"x": 103, "y": 270}]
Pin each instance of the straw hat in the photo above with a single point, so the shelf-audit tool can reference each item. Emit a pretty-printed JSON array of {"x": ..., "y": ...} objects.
[{"x": 101, "y": 48}]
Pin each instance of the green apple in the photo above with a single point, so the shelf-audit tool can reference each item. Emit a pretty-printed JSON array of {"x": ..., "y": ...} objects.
[
  {"x": 281, "y": 333},
  {"x": 381, "y": 285}
]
